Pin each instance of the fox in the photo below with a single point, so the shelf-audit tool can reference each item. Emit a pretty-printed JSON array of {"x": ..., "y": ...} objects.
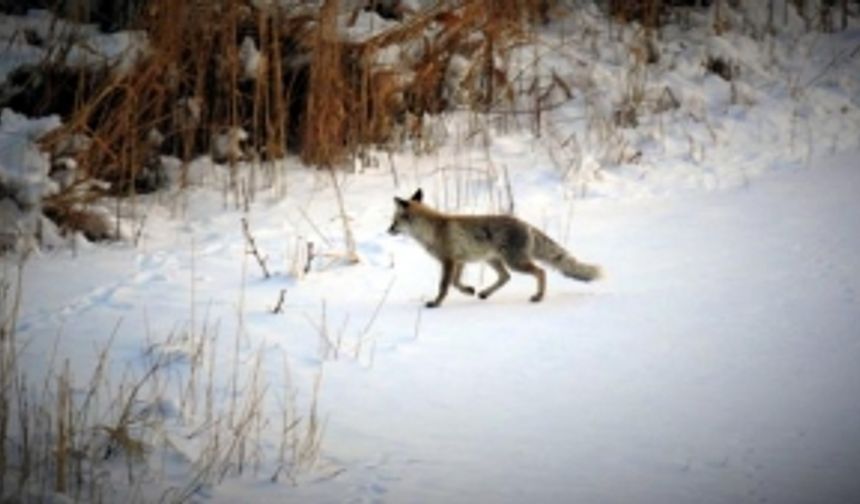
[{"x": 502, "y": 241}]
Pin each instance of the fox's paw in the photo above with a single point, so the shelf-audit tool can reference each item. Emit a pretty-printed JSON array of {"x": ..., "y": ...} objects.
[
  {"x": 536, "y": 298},
  {"x": 468, "y": 290},
  {"x": 484, "y": 294},
  {"x": 431, "y": 304}
]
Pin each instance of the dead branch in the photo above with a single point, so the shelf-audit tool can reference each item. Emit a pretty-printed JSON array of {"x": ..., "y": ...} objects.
[
  {"x": 279, "y": 306},
  {"x": 253, "y": 250}
]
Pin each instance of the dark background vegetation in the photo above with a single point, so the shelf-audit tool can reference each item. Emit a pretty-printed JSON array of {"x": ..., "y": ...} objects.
[{"x": 316, "y": 94}]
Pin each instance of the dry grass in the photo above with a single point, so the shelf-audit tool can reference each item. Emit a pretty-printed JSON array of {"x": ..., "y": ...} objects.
[
  {"x": 67, "y": 435},
  {"x": 317, "y": 94},
  {"x": 328, "y": 98},
  {"x": 238, "y": 82},
  {"x": 310, "y": 91}
]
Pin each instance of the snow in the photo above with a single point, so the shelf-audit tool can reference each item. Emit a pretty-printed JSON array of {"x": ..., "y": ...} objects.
[
  {"x": 23, "y": 167},
  {"x": 38, "y": 38},
  {"x": 227, "y": 144},
  {"x": 716, "y": 362},
  {"x": 250, "y": 58},
  {"x": 24, "y": 176},
  {"x": 359, "y": 25}
]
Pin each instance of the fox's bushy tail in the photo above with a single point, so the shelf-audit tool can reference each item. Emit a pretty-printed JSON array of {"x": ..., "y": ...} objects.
[{"x": 550, "y": 252}]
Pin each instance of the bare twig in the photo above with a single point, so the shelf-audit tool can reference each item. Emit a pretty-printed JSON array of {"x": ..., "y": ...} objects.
[
  {"x": 351, "y": 255},
  {"x": 253, "y": 250},
  {"x": 377, "y": 309},
  {"x": 279, "y": 306},
  {"x": 837, "y": 59},
  {"x": 310, "y": 257},
  {"x": 314, "y": 226},
  {"x": 508, "y": 189}
]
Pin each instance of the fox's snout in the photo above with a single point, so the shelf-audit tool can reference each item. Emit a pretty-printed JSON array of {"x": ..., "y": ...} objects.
[{"x": 402, "y": 218}]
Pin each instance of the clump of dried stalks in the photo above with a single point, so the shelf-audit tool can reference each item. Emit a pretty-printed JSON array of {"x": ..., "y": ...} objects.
[
  {"x": 99, "y": 440},
  {"x": 242, "y": 80},
  {"x": 266, "y": 81}
]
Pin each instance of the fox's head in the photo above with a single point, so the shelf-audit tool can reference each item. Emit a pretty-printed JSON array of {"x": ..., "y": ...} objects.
[{"x": 404, "y": 212}]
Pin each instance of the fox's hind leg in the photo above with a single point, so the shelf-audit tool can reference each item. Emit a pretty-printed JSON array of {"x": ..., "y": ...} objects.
[
  {"x": 527, "y": 266},
  {"x": 465, "y": 289},
  {"x": 503, "y": 278}
]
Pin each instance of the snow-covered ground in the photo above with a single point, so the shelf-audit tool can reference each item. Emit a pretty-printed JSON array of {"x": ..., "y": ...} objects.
[{"x": 716, "y": 362}]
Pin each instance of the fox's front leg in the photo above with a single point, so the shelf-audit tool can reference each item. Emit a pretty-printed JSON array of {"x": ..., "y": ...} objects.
[
  {"x": 456, "y": 276},
  {"x": 444, "y": 283}
]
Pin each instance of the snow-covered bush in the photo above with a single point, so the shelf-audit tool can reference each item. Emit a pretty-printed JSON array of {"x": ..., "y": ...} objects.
[
  {"x": 254, "y": 80},
  {"x": 25, "y": 176}
]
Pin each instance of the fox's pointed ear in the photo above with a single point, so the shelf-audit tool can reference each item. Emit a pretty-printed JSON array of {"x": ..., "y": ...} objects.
[
  {"x": 418, "y": 196},
  {"x": 402, "y": 203}
]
